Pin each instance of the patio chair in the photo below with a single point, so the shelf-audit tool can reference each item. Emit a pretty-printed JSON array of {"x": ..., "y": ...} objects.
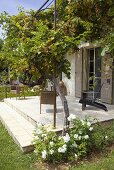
[
  {"x": 90, "y": 98},
  {"x": 18, "y": 90},
  {"x": 47, "y": 97}
]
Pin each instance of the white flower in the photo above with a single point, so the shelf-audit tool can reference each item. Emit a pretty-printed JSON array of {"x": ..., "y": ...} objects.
[
  {"x": 86, "y": 137},
  {"x": 43, "y": 135},
  {"x": 106, "y": 137},
  {"x": 39, "y": 131},
  {"x": 91, "y": 128},
  {"x": 76, "y": 156},
  {"x": 79, "y": 137},
  {"x": 62, "y": 149},
  {"x": 66, "y": 138},
  {"x": 35, "y": 151},
  {"x": 36, "y": 137},
  {"x": 80, "y": 132},
  {"x": 48, "y": 128},
  {"x": 51, "y": 143},
  {"x": 71, "y": 117},
  {"x": 83, "y": 122},
  {"x": 44, "y": 153},
  {"x": 75, "y": 145},
  {"x": 51, "y": 151},
  {"x": 64, "y": 146},
  {"x": 76, "y": 136},
  {"x": 88, "y": 124}
]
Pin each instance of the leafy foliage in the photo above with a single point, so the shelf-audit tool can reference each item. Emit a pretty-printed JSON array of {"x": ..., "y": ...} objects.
[{"x": 82, "y": 139}]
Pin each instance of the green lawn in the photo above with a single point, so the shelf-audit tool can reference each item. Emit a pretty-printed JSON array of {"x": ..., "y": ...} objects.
[
  {"x": 11, "y": 157},
  {"x": 104, "y": 163}
]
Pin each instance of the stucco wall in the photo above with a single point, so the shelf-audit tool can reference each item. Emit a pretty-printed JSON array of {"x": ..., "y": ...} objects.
[
  {"x": 70, "y": 83},
  {"x": 106, "y": 80}
]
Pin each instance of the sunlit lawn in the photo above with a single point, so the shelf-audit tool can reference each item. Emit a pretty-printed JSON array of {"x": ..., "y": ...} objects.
[
  {"x": 11, "y": 157},
  {"x": 104, "y": 163}
]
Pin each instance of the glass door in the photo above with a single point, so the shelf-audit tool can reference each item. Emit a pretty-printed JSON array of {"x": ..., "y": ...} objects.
[{"x": 94, "y": 83}]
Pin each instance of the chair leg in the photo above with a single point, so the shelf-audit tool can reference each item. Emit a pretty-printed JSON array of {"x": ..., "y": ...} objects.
[{"x": 83, "y": 106}]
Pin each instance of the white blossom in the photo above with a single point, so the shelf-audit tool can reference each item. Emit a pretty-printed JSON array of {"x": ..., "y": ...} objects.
[
  {"x": 62, "y": 149},
  {"x": 80, "y": 132},
  {"x": 88, "y": 124},
  {"x": 51, "y": 143},
  {"x": 83, "y": 122},
  {"x": 51, "y": 151},
  {"x": 76, "y": 136},
  {"x": 43, "y": 135},
  {"x": 76, "y": 156},
  {"x": 86, "y": 137},
  {"x": 91, "y": 128},
  {"x": 75, "y": 145},
  {"x": 64, "y": 146},
  {"x": 71, "y": 117},
  {"x": 66, "y": 138},
  {"x": 39, "y": 131},
  {"x": 79, "y": 137},
  {"x": 36, "y": 137},
  {"x": 106, "y": 137},
  {"x": 35, "y": 151},
  {"x": 44, "y": 153}
]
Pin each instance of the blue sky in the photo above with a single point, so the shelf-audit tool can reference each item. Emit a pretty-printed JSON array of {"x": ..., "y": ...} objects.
[{"x": 11, "y": 6}]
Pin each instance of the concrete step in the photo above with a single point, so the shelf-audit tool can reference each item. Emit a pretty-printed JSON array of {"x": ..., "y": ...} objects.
[
  {"x": 20, "y": 110},
  {"x": 30, "y": 110},
  {"x": 18, "y": 127}
]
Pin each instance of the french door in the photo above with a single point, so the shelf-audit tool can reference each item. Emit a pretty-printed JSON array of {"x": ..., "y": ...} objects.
[{"x": 94, "y": 72}]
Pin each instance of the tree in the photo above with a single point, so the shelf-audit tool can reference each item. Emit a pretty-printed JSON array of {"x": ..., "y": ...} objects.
[
  {"x": 37, "y": 46},
  {"x": 38, "y": 49}
]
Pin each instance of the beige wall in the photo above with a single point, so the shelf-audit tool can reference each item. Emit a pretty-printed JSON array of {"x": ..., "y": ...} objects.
[
  {"x": 78, "y": 75},
  {"x": 70, "y": 83},
  {"x": 106, "y": 79},
  {"x": 74, "y": 84}
]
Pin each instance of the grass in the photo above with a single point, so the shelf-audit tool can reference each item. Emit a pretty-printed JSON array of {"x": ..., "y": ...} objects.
[
  {"x": 104, "y": 163},
  {"x": 11, "y": 157},
  {"x": 28, "y": 92}
]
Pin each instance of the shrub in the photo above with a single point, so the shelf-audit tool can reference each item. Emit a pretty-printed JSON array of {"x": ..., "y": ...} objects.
[
  {"x": 54, "y": 148},
  {"x": 82, "y": 138}
]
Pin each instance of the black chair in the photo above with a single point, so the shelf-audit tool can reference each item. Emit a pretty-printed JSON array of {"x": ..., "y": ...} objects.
[{"x": 90, "y": 98}]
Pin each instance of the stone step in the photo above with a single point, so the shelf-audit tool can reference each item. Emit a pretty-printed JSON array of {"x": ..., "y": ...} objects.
[
  {"x": 30, "y": 110},
  {"x": 19, "y": 128},
  {"x": 20, "y": 111}
]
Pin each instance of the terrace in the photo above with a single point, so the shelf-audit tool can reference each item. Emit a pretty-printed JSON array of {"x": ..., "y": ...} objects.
[{"x": 21, "y": 116}]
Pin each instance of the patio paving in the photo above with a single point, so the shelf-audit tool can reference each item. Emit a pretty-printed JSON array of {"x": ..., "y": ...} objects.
[{"x": 20, "y": 116}]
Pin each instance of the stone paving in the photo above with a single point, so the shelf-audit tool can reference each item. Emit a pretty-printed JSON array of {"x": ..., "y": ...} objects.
[{"x": 20, "y": 116}]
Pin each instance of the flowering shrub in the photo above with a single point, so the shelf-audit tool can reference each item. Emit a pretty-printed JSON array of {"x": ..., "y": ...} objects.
[{"x": 54, "y": 148}]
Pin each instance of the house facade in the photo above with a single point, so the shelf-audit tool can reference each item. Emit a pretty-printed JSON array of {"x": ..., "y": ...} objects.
[{"x": 90, "y": 71}]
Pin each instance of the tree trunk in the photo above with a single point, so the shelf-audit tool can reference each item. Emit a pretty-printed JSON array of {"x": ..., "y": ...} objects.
[{"x": 65, "y": 105}]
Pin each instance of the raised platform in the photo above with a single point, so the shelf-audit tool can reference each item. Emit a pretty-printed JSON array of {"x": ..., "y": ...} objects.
[{"x": 20, "y": 117}]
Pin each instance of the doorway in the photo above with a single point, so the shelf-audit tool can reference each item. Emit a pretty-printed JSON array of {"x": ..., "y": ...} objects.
[{"x": 94, "y": 71}]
